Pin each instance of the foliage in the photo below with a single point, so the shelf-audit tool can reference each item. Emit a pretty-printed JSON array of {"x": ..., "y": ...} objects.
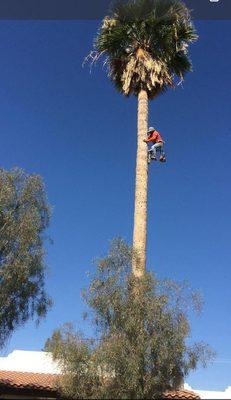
[
  {"x": 142, "y": 328},
  {"x": 145, "y": 44},
  {"x": 24, "y": 215}
]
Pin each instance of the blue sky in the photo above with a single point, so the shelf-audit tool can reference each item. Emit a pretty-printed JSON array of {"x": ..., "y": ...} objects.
[{"x": 75, "y": 130}]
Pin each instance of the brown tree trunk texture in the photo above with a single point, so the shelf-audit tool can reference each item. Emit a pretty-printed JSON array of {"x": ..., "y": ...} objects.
[{"x": 141, "y": 188}]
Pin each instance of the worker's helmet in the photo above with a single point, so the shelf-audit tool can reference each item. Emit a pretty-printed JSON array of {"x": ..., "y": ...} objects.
[{"x": 151, "y": 129}]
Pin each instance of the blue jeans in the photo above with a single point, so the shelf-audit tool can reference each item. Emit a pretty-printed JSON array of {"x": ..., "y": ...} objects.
[{"x": 157, "y": 147}]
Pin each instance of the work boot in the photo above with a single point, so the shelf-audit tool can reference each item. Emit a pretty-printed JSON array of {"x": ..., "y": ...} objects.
[{"x": 152, "y": 156}]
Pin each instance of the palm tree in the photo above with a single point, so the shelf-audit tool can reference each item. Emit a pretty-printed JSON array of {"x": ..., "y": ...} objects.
[{"x": 145, "y": 44}]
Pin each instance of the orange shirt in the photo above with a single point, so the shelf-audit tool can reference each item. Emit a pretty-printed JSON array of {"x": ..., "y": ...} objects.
[{"x": 155, "y": 137}]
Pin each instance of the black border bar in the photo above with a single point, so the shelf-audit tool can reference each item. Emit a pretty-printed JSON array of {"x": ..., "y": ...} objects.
[{"x": 96, "y": 9}]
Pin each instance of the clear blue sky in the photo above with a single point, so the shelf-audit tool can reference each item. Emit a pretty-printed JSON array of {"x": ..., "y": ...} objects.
[{"x": 72, "y": 128}]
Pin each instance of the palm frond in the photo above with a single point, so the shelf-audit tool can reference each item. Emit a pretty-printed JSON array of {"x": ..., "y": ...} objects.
[{"x": 145, "y": 43}]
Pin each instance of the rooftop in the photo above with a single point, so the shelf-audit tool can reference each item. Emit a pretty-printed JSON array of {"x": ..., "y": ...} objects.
[
  {"x": 36, "y": 370},
  {"x": 47, "y": 383},
  {"x": 28, "y": 380}
]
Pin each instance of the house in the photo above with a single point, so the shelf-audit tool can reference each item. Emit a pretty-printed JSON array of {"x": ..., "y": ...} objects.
[
  {"x": 28, "y": 375},
  {"x": 34, "y": 374}
]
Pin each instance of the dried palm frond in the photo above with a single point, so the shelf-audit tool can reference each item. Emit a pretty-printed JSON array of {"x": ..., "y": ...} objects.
[{"x": 143, "y": 70}]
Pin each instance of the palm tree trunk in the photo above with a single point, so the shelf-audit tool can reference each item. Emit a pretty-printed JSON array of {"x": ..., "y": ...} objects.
[{"x": 141, "y": 187}]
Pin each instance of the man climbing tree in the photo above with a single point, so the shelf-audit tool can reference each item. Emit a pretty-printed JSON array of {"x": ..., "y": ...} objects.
[
  {"x": 157, "y": 145},
  {"x": 145, "y": 43}
]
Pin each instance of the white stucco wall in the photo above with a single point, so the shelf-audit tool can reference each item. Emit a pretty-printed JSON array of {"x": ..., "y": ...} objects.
[
  {"x": 211, "y": 394},
  {"x": 29, "y": 361}
]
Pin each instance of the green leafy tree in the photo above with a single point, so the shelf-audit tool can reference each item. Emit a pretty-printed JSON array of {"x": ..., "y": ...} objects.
[
  {"x": 142, "y": 328},
  {"x": 145, "y": 47},
  {"x": 24, "y": 215}
]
